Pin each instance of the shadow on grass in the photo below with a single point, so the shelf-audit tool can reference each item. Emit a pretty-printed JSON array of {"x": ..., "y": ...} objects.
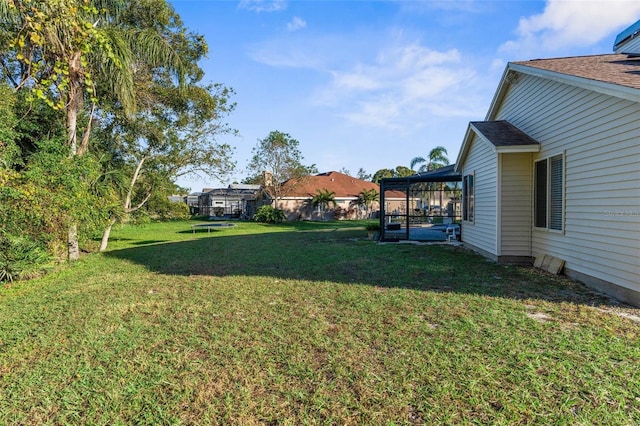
[
  {"x": 147, "y": 242},
  {"x": 200, "y": 231},
  {"x": 343, "y": 256}
]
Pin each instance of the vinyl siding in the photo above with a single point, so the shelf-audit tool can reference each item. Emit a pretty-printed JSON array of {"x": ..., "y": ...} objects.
[
  {"x": 482, "y": 233},
  {"x": 600, "y": 138},
  {"x": 515, "y": 204},
  {"x": 632, "y": 46}
]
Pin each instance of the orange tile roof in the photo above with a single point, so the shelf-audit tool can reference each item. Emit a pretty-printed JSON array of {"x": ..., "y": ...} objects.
[
  {"x": 616, "y": 69},
  {"x": 344, "y": 186}
]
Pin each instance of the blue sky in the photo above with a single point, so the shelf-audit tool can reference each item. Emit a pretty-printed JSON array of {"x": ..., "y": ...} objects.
[{"x": 372, "y": 84}]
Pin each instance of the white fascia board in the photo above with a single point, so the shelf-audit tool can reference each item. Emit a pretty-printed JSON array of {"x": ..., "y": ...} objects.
[
  {"x": 517, "y": 149},
  {"x": 464, "y": 148},
  {"x": 499, "y": 95}
]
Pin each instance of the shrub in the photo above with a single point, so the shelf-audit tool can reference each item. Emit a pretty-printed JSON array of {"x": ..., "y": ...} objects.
[
  {"x": 269, "y": 214},
  {"x": 218, "y": 211},
  {"x": 50, "y": 192},
  {"x": 163, "y": 209},
  {"x": 21, "y": 257},
  {"x": 373, "y": 226},
  {"x": 340, "y": 213}
]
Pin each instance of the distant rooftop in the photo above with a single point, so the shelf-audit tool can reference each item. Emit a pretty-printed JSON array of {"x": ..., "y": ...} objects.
[
  {"x": 625, "y": 36},
  {"x": 244, "y": 186}
]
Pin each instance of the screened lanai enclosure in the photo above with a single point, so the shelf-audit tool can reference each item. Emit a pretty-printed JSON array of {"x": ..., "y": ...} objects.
[{"x": 422, "y": 207}]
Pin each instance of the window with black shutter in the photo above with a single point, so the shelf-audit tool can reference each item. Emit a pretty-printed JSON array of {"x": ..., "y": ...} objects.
[
  {"x": 468, "y": 197},
  {"x": 549, "y": 193}
]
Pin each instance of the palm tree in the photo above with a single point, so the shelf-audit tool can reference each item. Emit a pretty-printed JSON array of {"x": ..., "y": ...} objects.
[
  {"x": 437, "y": 158},
  {"x": 323, "y": 198},
  {"x": 366, "y": 198}
]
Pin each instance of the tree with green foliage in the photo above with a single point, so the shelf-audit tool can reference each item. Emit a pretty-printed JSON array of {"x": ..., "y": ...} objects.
[
  {"x": 382, "y": 174},
  {"x": 71, "y": 53},
  {"x": 436, "y": 159},
  {"x": 35, "y": 195},
  {"x": 399, "y": 171},
  {"x": 175, "y": 136},
  {"x": 278, "y": 155},
  {"x": 323, "y": 198},
  {"x": 403, "y": 171},
  {"x": 50, "y": 191},
  {"x": 363, "y": 175},
  {"x": 9, "y": 150}
]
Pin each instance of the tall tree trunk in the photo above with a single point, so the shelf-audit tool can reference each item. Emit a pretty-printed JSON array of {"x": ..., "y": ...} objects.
[
  {"x": 73, "y": 106},
  {"x": 84, "y": 143},
  {"x": 73, "y": 246},
  {"x": 126, "y": 205},
  {"x": 105, "y": 235}
]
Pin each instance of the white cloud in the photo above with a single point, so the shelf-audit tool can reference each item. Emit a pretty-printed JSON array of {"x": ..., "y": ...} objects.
[
  {"x": 497, "y": 65},
  {"x": 296, "y": 24},
  {"x": 306, "y": 51},
  {"x": 288, "y": 53},
  {"x": 566, "y": 24},
  {"x": 358, "y": 80},
  {"x": 459, "y": 6},
  {"x": 263, "y": 5},
  {"x": 402, "y": 85},
  {"x": 384, "y": 112}
]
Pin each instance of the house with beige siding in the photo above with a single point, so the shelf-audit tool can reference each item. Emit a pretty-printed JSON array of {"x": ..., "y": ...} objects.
[
  {"x": 297, "y": 195},
  {"x": 554, "y": 170}
]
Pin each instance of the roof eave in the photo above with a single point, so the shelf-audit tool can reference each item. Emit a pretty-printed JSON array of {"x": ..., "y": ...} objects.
[
  {"x": 500, "y": 93},
  {"x": 516, "y": 149},
  {"x": 619, "y": 91},
  {"x": 464, "y": 149}
]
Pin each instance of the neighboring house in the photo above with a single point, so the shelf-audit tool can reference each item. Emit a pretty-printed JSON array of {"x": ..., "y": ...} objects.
[
  {"x": 192, "y": 200},
  {"x": 628, "y": 41},
  {"x": 236, "y": 201},
  {"x": 297, "y": 195},
  {"x": 555, "y": 170}
]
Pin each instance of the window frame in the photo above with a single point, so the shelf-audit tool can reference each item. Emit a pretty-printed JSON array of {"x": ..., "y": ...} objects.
[
  {"x": 550, "y": 199},
  {"x": 468, "y": 197}
]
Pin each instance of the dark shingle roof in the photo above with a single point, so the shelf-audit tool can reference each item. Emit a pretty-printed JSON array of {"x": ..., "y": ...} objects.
[
  {"x": 616, "y": 69},
  {"x": 443, "y": 172},
  {"x": 503, "y": 133}
]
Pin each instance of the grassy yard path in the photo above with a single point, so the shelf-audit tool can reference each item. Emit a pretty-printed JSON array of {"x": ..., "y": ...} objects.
[{"x": 309, "y": 324}]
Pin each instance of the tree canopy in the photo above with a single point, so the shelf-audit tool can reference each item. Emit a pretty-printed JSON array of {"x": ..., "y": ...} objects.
[
  {"x": 111, "y": 92},
  {"x": 436, "y": 159},
  {"x": 279, "y": 156},
  {"x": 399, "y": 171}
]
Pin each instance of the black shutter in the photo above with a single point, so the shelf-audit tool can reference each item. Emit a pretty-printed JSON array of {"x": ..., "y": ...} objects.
[
  {"x": 555, "y": 216},
  {"x": 541, "y": 194}
]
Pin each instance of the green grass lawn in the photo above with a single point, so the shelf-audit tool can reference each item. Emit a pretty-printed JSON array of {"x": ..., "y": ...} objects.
[{"x": 309, "y": 323}]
